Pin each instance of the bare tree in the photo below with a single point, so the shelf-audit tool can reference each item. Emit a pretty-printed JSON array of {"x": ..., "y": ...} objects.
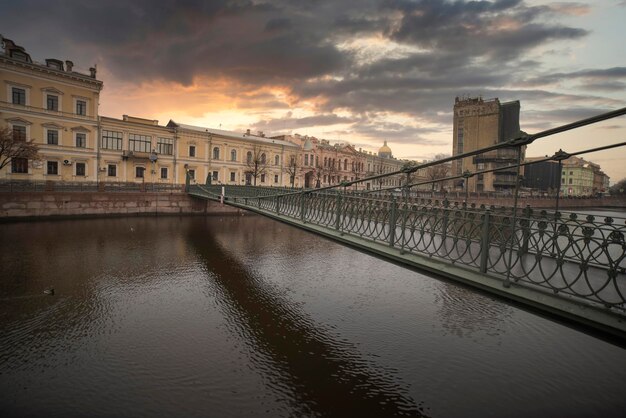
[
  {"x": 292, "y": 167},
  {"x": 256, "y": 162},
  {"x": 439, "y": 171},
  {"x": 14, "y": 145}
]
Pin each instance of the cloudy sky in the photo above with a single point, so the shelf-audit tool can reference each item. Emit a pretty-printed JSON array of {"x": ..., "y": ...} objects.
[{"x": 361, "y": 71}]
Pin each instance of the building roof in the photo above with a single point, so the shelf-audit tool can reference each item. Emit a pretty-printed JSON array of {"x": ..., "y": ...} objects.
[{"x": 234, "y": 135}]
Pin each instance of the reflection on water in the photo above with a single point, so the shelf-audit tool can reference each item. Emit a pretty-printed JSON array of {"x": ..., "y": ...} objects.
[
  {"x": 326, "y": 376},
  {"x": 249, "y": 317}
]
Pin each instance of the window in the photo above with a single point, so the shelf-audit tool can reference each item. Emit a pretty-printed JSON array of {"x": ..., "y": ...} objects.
[
  {"x": 480, "y": 166},
  {"x": 81, "y": 140},
  {"x": 81, "y": 107},
  {"x": 275, "y": 178},
  {"x": 276, "y": 160},
  {"x": 263, "y": 158},
  {"x": 215, "y": 176},
  {"x": 19, "y": 96},
  {"x": 52, "y": 102},
  {"x": 232, "y": 175},
  {"x": 192, "y": 150},
  {"x": 139, "y": 143},
  {"x": 163, "y": 172},
  {"x": 306, "y": 159},
  {"x": 571, "y": 173},
  {"x": 233, "y": 155},
  {"x": 216, "y": 153},
  {"x": 165, "y": 146},
  {"x": 570, "y": 181},
  {"x": 192, "y": 174},
  {"x": 19, "y": 133},
  {"x": 80, "y": 169},
  {"x": 262, "y": 178},
  {"x": 52, "y": 167},
  {"x": 139, "y": 172},
  {"x": 111, "y": 140},
  {"x": 249, "y": 157},
  {"x": 53, "y": 137},
  {"x": 19, "y": 165},
  {"x": 112, "y": 170},
  {"x": 325, "y": 162}
]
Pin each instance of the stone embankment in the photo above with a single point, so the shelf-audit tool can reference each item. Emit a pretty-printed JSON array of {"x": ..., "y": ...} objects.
[{"x": 23, "y": 205}]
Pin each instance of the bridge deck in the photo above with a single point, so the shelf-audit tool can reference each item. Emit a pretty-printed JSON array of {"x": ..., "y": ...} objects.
[{"x": 571, "y": 267}]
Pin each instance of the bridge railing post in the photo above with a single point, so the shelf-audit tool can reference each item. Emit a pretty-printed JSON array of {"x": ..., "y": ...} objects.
[
  {"x": 393, "y": 217},
  {"x": 303, "y": 197},
  {"x": 338, "y": 213},
  {"x": 277, "y": 202},
  {"x": 484, "y": 241}
]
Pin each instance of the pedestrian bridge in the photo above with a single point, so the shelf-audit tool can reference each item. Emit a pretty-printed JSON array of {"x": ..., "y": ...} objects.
[{"x": 566, "y": 264}]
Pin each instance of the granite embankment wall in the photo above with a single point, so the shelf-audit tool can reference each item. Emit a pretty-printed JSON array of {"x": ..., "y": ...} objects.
[{"x": 24, "y": 205}]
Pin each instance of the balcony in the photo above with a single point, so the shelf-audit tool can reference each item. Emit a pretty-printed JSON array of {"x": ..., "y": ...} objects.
[{"x": 504, "y": 155}]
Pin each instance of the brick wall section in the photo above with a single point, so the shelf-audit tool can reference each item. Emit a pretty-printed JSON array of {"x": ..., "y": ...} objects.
[{"x": 71, "y": 204}]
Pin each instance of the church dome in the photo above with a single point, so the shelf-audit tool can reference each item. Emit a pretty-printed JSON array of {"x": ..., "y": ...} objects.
[{"x": 384, "y": 151}]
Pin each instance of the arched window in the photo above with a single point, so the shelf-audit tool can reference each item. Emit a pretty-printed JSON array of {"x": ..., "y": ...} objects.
[
  {"x": 233, "y": 155},
  {"x": 325, "y": 162},
  {"x": 345, "y": 164},
  {"x": 249, "y": 157},
  {"x": 263, "y": 158},
  {"x": 277, "y": 160},
  {"x": 216, "y": 153}
]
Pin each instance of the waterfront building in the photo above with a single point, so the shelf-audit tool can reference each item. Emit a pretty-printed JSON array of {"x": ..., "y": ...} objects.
[
  {"x": 481, "y": 123},
  {"x": 580, "y": 177},
  {"x": 57, "y": 106},
  {"x": 542, "y": 176}
]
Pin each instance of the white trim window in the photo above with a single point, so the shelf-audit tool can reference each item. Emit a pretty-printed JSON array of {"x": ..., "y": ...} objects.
[
  {"x": 80, "y": 169},
  {"x": 140, "y": 171},
  {"x": 52, "y": 168},
  {"x": 164, "y": 173},
  {"x": 111, "y": 170},
  {"x": 53, "y": 136},
  {"x": 111, "y": 140},
  {"x": 19, "y": 95},
  {"x": 80, "y": 139},
  {"x": 139, "y": 143}
]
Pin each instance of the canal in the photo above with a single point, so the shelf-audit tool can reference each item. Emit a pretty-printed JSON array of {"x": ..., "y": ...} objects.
[{"x": 247, "y": 317}]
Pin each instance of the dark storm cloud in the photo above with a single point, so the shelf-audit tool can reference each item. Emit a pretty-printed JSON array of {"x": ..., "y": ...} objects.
[
  {"x": 449, "y": 48},
  {"x": 588, "y": 77},
  {"x": 500, "y": 29}
]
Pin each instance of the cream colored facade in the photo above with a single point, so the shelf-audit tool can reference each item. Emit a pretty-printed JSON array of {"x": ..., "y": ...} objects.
[
  {"x": 55, "y": 106},
  {"x": 58, "y": 107}
]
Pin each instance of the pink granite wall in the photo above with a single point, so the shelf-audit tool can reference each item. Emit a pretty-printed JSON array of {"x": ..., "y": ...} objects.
[{"x": 50, "y": 204}]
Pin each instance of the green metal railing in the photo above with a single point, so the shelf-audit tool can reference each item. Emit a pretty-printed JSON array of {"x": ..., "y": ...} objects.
[{"x": 580, "y": 257}]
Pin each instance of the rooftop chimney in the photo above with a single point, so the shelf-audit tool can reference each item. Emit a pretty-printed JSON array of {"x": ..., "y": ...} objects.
[{"x": 69, "y": 65}]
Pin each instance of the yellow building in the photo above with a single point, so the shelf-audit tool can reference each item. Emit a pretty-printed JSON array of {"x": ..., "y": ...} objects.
[{"x": 58, "y": 108}]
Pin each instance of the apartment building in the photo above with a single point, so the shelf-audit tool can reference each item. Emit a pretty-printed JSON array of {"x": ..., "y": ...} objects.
[{"x": 478, "y": 124}]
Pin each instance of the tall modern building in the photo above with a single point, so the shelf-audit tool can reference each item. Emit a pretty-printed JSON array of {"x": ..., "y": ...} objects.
[{"x": 480, "y": 123}]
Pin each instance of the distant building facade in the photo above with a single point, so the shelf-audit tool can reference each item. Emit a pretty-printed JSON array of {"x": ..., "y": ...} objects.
[
  {"x": 481, "y": 123},
  {"x": 580, "y": 177},
  {"x": 542, "y": 176}
]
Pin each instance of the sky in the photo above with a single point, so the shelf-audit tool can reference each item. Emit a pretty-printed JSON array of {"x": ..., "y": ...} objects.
[{"x": 361, "y": 71}]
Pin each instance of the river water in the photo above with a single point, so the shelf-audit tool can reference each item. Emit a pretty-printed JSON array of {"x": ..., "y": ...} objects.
[{"x": 248, "y": 317}]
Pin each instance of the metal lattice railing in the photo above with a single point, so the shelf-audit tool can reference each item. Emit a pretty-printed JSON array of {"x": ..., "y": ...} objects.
[{"x": 575, "y": 256}]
